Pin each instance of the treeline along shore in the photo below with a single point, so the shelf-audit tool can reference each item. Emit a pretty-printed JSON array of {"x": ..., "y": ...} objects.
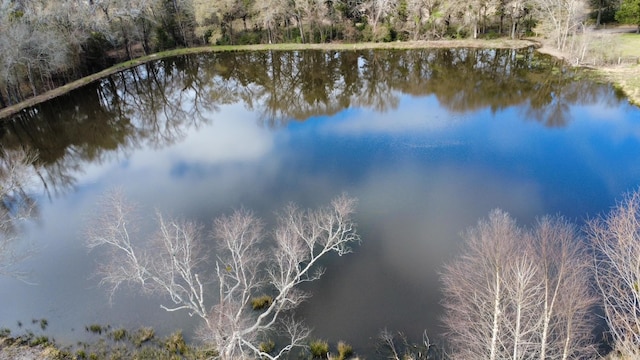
[{"x": 60, "y": 45}]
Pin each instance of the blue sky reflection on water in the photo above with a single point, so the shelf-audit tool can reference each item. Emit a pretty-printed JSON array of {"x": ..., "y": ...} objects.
[{"x": 422, "y": 173}]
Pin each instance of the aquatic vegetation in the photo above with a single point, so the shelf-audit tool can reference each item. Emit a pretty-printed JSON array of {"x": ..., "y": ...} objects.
[{"x": 319, "y": 348}]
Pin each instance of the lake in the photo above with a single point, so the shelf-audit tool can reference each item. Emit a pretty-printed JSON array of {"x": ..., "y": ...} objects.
[{"x": 429, "y": 141}]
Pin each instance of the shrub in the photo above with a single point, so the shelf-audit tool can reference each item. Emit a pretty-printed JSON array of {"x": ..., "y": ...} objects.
[
  {"x": 366, "y": 32},
  {"x": 456, "y": 33},
  {"x": 143, "y": 335},
  {"x": 175, "y": 343},
  {"x": 387, "y": 33},
  {"x": 94, "y": 328},
  {"x": 249, "y": 37},
  {"x": 207, "y": 36},
  {"x": 491, "y": 35},
  {"x": 206, "y": 354},
  {"x": 40, "y": 340},
  {"x": 261, "y": 302},
  {"x": 165, "y": 40},
  {"x": 344, "y": 350},
  {"x": 118, "y": 334},
  {"x": 319, "y": 349},
  {"x": 267, "y": 346}
]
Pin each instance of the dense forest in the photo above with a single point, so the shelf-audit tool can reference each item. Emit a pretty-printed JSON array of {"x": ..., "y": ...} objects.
[{"x": 46, "y": 43}]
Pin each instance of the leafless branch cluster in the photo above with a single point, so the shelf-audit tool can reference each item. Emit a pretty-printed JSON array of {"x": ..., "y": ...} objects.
[
  {"x": 616, "y": 238},
  {"x": 397, "y": 347},
  {"x": 246, "y": 267},
  {"x": 517, "y": 294}
]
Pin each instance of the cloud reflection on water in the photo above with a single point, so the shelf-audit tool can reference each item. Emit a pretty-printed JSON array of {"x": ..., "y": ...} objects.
[{"x": 423, "y": 169}]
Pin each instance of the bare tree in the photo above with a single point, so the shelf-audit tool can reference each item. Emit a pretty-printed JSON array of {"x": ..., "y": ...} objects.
[
  {"x": 561, "y": 19},
  {"x": 421, "y": 13},
  {"x": 474, "y": 291},
  {"x": 376, "y": 11},
  {"x": 567, "y": 319},
  {"x": 270, "y": 14},
  {"x": 472, "y": 14},
  {"x": 616, "y": 238},
  {"x": 257, "y": 282},
  {"x": 516, "y": 294},
  {"x": 315, "y": 13},
  {"x": 515, "y": 10}
]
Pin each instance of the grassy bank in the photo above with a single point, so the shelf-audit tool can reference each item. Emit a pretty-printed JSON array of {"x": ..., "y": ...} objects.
[
  {"x": 614, "y": 55},
  {"x": 493, "y": 44},
  {"x": 626, "y": 77}
]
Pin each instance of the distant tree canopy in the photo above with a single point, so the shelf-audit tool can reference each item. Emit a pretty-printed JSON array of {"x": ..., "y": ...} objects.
[
  {"x": 629, "y": 13},
  {"x": 50, "y": 42}
]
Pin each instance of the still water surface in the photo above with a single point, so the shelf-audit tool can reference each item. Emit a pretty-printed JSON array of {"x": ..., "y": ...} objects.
[{"x": 428, "y": 140}]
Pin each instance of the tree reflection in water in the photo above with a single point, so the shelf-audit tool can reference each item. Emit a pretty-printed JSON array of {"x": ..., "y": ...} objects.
[
  {"x": 157, "y": 103},
  {"x": 16, "y": 207}
]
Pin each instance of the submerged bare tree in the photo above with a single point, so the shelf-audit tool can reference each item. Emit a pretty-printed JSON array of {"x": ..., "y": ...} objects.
[
  {"x": 516, "y": 294},
  {"x": 474, "y": 288},
  {"x": 16, "y": 207},
  {"x": 256, "y": 282},
  {"x": 616, "y": 238},
  {"x": 568, "y": 301}
]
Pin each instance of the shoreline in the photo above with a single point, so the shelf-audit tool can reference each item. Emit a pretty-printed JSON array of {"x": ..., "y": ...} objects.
[
  {"x": 625, "y": 77},
  {"x": 616, "y": 75},
  {"x": 431, "y": 44}
]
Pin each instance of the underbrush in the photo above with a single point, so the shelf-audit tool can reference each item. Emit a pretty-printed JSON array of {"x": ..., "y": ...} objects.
[
  {"x": 107, "y": 343},
  {"x": 112, "y": 344}
]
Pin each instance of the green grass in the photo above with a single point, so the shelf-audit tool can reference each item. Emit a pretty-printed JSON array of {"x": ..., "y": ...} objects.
[
  {"x": 629, "y": 44},
  {"x": 627, "y": 78}
]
